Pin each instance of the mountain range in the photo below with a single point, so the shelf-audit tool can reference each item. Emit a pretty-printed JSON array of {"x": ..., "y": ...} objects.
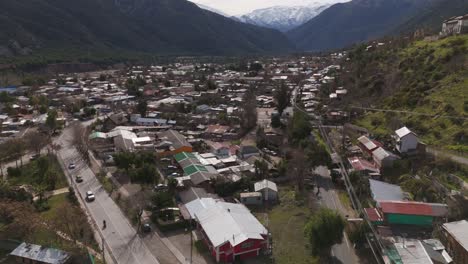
[
  {"x": 283, "y": 18},
  {"x": 153, "y": 26},
  {"x": 359, "y": 20}
]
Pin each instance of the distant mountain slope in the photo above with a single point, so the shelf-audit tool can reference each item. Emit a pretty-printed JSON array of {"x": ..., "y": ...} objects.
[
  {"x": 359, "y": 20},
  {"x": 214, "y": 10},
  {"x": 156, "y": 26},
  {"x": 283, "y": 18},
  {"x": 431, "y": 18}
]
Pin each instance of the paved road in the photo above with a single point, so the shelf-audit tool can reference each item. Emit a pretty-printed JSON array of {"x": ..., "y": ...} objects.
[
  {"x": 124, "y": 243},
  {"x": 344, "y": 252}
]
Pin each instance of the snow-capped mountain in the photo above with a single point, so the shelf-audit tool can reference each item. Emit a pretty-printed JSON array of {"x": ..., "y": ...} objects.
[{"x": 283, "y": 18}]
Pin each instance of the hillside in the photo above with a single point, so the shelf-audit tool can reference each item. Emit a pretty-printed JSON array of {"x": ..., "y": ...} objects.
[
  {"x": 431, "y": 18},
  {"x": 154, "y": 26},
  {"x": 423, "y": 77},
  {"x": 359, "y": 20}
]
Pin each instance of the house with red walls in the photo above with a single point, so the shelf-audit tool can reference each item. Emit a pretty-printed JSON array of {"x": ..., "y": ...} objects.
[{"x": 229, "y": 230}]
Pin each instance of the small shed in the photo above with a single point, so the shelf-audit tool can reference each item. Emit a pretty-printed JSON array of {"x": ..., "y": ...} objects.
[
  {"x": 251, "y": 198},
  {"x": 268, "y": 189},
  {"x": 406, "y": 140}
]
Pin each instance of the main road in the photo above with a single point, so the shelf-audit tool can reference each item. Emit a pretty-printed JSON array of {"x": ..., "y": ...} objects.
[
  {"x": 343, "y": 253},
  {"x": 121, "y": 242}
]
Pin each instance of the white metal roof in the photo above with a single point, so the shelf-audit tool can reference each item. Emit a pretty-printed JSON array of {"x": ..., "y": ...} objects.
[
  {"x": 413, "y": 252},
  {"x": 380, "y": 153},
  {"x": 265, "y": 184},
  {"x": 403, "y": 132},
  {"x": 228, "y": 222},
  {"x": 369, "y": 144},
  {"x": 459, "y": 231}
]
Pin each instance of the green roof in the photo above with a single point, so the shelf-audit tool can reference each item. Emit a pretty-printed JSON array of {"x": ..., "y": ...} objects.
[
  {"x": 183, "y": 155},
  {"x": 194, "y": 169}
]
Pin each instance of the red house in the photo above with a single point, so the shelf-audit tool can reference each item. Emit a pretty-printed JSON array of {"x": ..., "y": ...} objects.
[
  {"x": 367, "y": 145},
  {"x": 230, "y": 231}
]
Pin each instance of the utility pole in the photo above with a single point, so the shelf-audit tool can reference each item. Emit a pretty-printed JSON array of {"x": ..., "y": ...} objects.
[
  {"x": 102, "y": 252},
  {"x": 191, "y": 240}
]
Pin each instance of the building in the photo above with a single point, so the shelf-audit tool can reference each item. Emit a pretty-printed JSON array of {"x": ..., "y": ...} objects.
[
  {"x": 382, "y": 191},
  {"x": 412, "y": 213},
  {"x": 406, "y": 141},
  {"x": 362, "y": 165},
  {"x": 36, "y": 254},
  {"x": 246, "y": 152},
  {"x": 367, "y": 145},
  {"x": 230, "y": 231},
  {"x": 455, "y": 238},
  {"x": 383, "y": 158},
  {"x": 251, "y": 198},
  {"x": 172, "y": 142},
  {"x": 455, "y": 26},
  {"x": 268, "y": 189}
]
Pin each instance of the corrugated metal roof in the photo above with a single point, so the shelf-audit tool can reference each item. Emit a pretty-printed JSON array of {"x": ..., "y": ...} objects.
[
  {"x": 386, "y": 191},
  {"x": 40, "y": 253},
  {"x": 459, "y": 231},
  {"x": 258, "y": 186},
  {"x": 413, "y": 208},
  {"x": 227, "y": 222}
]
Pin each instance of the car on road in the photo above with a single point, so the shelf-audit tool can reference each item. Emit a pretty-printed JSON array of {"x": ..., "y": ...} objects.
[
  {"x": 90, "y": 196},
  {"x": 78, "y": 179},
  {"x": 71, "y": 166}
]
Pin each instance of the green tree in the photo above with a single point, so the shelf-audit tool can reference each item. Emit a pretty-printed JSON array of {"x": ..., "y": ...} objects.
[
  {"x": 163, "y": 200},
  {"x": 282, "y": 97},
  {"x": 324, "y": 230},
  {"x": 142, "y": 108},
  {"x": 261, "y": 169},
  {"x": 51, "y": 121},
  {"x": 211, "y": 85},
  {"x": 300, "y": 127},
  {"x": 124, "y": 160},
  {"x": 276, "y": 121}
]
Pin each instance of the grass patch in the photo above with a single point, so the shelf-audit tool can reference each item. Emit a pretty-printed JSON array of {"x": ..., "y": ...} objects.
[
  {"x": 31, "y": 174},
  {"x": 55, "y": 202},
  {"x": 344, "y": 199},
  {"x": 286, "y": 223}
]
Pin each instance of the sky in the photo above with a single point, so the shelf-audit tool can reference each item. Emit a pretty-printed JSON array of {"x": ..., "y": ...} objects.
[{"x": 240, "y": 7}]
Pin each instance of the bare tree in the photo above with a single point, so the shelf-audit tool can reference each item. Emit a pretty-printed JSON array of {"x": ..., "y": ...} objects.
[
  {"x": 248, "y": 114},
  {"x": 297, "y": 168},
  {"x": 36, "y": 141},
  {"x": 80, "y": 141}
]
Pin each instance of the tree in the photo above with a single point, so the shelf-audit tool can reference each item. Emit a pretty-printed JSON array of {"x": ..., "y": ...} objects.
[
  {"x": 211, "y": 85},
  {"x": 261, "y": 169},
  {"x": 51, "y": 121},
  {"x": 142, "y": 108},
  {"x": 145, "y": 174},
  {"x": 297, "y": 168},
  {"x": 276, "y": 121},
  {"x": 172, "y": 184},
  {"x": 300, "y": 127},
  {"x": 80, "y": 141},
  {"x": 36, "y": 141},
  {"x": 163, "y": 200},
  {"x": 256, "y": 67},
  {"x": 324, "y": 230},
  {"x": 282, "y": 97},
  {"x": 124, "y": 160},
  {"x": 248, "y": 113}
]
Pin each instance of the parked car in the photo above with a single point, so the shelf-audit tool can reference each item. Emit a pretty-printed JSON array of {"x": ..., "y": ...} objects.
[
  {"x": 34, "y": 157},
  {"x": 171, "y": 167},
  {"x": 160, "y": 187},
  {"x": 78, "y": 179},
  {"x": 90, "y": 196},
  {"x": 146, "y": 228},
  {"x": 71, "y": 166}
]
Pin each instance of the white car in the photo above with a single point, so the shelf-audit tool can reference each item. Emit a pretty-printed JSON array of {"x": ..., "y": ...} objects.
[
  {"x": 90, "y": 196},
  {"x": 71, "y": 166}
]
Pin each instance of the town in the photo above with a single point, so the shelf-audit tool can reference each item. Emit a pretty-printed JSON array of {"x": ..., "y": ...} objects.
[{"x": 249, "y": 160}]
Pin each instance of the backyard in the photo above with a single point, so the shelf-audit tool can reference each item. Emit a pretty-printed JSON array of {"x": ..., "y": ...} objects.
[{"x": 286, "y": 223}]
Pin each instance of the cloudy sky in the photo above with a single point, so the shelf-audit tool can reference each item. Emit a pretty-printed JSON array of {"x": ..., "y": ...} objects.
[{"x": 237, "y": 7}]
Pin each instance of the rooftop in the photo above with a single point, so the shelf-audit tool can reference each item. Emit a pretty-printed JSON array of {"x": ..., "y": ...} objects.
[
  {"x": 459, "y": 231},
  {"x": 41, "y": 254}
]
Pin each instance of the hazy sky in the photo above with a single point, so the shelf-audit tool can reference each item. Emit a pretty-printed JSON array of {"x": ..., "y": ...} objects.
[{"x": 237, "y": 7}]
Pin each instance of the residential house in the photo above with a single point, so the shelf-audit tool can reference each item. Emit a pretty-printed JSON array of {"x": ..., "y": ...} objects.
[
  {"x": 409, "y": 251},
  {"x": 363, "y": 166},
  {"x": 367, "y": 145},
  {"x": 455, "y": 26},
  {"x": 36, "y": 254},
  {"x": 268, "y": 189},
  {"x": 406, "y": 140},
  {"x": 412, "y": 213},
  {"x": 455, "y": 238},
  {"x": 230, "y": 231},
  {"x": 383, "y": 158},
  {"x": 382, "y": 191},
  {"x": 172, "y": 142},
  {"x": 436, "y": 251},
  {"x": 246, "y": 152}
]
